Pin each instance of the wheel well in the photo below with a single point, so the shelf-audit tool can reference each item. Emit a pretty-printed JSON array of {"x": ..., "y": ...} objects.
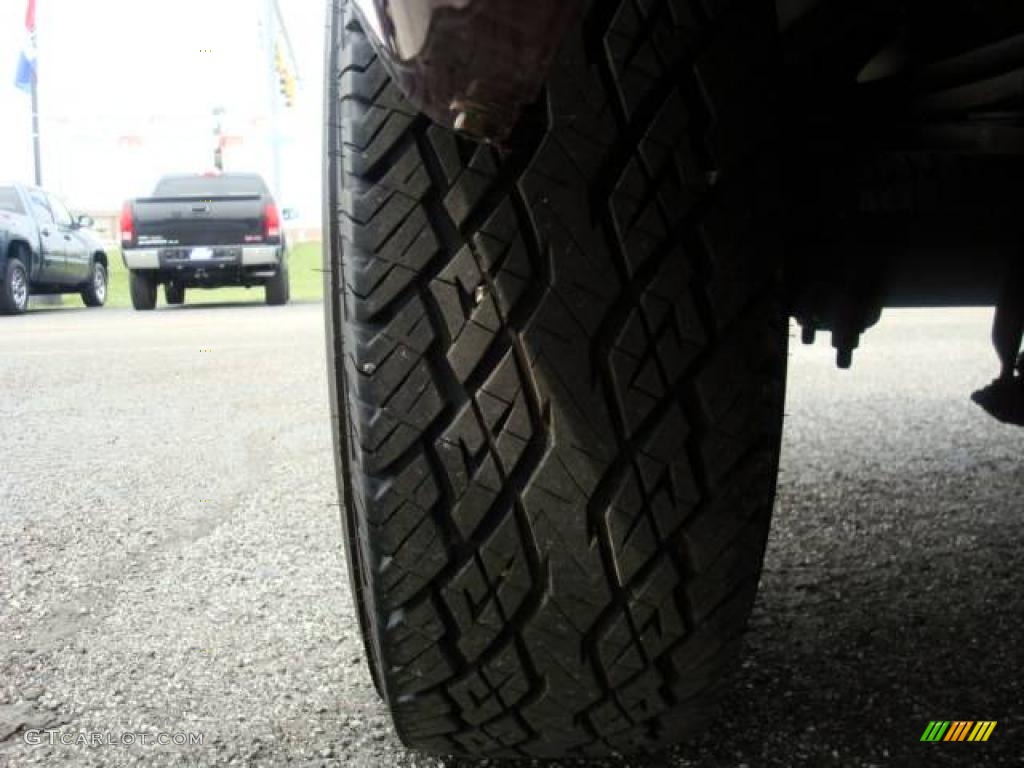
[
  {"x": 16, "y": 249},
  {"x": 101, "y": 257}
]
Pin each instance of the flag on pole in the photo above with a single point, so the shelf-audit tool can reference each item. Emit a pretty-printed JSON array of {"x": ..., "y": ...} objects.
[{"x": 27, "y": 64}]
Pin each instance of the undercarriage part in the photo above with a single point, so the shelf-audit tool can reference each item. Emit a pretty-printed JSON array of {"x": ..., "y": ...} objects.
[
  {"x": 981, "y": 80},
  {"x": 847, "y": 316},
  {"x": 978, "y": 64},
  {"x": 896, "y": 210},
  {"x": 838, "y": 265}
]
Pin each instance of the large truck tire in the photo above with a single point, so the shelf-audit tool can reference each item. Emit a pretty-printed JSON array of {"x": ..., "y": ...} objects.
[
  {"x": 142, "y": 288},
  {"x": 557, "y": 378},
  {"x": 277, "y": 291},
  {"x": 14, "y": 287},
  {"x": 94, "y": 294},
  {"x": 174, "y": 294}
]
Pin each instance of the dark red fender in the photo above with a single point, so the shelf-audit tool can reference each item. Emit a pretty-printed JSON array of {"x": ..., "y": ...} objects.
[{"x": 471, "y": 65}]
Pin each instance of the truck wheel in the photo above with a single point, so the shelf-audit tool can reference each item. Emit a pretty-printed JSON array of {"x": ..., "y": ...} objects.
[
  {"x": 95, "y": 293},
  {"x": 142, "y": 288},
  {"x": 174, "y": 294},
  {"x": 14, "y": 291},
  {"x": 278, "y": 289},
  {"x": 558, "y": 376}
]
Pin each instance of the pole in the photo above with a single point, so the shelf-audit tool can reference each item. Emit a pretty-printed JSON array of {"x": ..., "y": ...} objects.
[
  {"x": 275, "y": 28},
  {"x": 35, "y": 129},
  {"x": 283, "y": 28},
  {"x": 54, "y": 300},
  {"x": 271, "y": 21}
]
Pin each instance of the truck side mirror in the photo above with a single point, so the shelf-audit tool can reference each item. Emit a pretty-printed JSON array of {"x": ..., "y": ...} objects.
[
  {"x": 86, "y": 222},
  {"x": 289, "y": 214}
]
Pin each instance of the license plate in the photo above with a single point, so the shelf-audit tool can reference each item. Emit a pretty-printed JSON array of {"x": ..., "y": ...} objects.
[{"x": 201, "y": 254}]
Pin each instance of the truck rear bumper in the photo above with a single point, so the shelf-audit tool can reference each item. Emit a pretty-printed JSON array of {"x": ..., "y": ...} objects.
[{"x": 202, "y": 258}]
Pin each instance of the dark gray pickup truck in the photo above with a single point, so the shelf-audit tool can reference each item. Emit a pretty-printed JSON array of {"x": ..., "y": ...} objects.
[
  {"x": 45, "y": 250},
  {"x": 204, "y": 231}
]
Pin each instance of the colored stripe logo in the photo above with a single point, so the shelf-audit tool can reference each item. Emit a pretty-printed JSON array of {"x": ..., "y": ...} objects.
[{"x": 958, "y": 730}]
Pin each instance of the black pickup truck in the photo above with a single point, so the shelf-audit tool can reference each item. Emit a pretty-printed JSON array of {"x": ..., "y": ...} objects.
[
  {"x": 45, "y": 250},
  {"x": 204, "y": 231}
]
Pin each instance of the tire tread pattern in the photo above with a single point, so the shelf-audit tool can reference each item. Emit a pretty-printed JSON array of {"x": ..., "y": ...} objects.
[{"x": 562, "y": 370}]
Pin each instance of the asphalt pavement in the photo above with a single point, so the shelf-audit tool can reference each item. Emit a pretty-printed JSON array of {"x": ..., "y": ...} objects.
[{"x": 170, "y": 557}]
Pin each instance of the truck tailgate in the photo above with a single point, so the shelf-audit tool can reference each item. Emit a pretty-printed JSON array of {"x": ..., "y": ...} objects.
[{"x": 187, "y": 221}]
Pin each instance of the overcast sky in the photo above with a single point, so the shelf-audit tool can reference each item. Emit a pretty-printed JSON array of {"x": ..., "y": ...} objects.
[{"x": 127, "y": 88}]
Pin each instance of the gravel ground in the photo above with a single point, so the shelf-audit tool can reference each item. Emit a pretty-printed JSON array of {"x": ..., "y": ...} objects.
[{"x": 170, "y": 552}]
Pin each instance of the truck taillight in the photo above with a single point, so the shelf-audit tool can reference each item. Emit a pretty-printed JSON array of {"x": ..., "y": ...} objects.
[
  {"x": 127, "y": 224},
  {"x": 271, "y": 222}
]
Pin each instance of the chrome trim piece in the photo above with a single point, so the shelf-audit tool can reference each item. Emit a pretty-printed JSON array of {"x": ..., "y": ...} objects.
[
  {"x": 141, "y": 258},
  {"x": 255, "y": 256}
]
